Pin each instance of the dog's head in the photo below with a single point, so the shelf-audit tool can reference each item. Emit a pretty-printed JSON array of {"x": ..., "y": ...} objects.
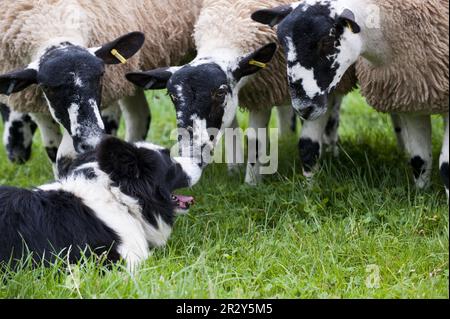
[{"x": 148, "y": 173}]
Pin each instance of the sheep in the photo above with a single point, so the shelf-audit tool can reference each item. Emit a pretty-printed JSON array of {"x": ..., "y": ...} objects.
[
  {"x": 224, "y": 36},
  {"x": 18, "y": 134},
  {"x": 19, "y": 129},
  {"x": 402, "y": 53},
  {"x": 34, "y": 32}
]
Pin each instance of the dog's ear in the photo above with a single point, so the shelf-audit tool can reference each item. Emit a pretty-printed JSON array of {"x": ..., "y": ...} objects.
[{"x": 119, "y": 159}]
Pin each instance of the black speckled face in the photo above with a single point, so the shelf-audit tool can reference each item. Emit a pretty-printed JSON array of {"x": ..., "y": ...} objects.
[
  {"x": 199, "y": 93},
  {"x": 71, "y": 77},
  {"x": 311, "y": 41},
  {"x": 205, "y": 94},
  {"x": 320, "y": 44}
]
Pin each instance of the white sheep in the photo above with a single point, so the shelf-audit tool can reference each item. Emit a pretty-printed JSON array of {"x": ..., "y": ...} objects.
[
  {"x": 230, "y": 48},
  {"x": 33, "y": 34},
  {"x": 402, "y": 54}
]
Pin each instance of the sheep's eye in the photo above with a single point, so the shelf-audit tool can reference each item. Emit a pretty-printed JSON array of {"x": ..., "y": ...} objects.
[
  {"x": 326, "y": 45},
  {"x": 220, "y": 93}
]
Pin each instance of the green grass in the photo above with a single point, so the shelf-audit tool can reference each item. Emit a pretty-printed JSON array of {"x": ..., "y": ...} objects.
[{"x": 287, "y": 238}]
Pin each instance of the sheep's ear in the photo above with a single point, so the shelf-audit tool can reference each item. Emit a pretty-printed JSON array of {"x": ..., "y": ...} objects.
[
  {"x": 152, "y": 80},
  {"x": 121, "y": 49},
  {"x": 347, "y": 19},
  {"x": 255, "y": 61},
  {"x": 17, "y": 81},
  {"x": 274, "y": 16}
]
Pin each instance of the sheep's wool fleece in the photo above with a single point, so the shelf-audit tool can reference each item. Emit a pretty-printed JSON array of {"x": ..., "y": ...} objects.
[
  {"x": 416, "y": 77},
  {"x": 228, "y": 24},
  {"x": 26, "y": 24}
]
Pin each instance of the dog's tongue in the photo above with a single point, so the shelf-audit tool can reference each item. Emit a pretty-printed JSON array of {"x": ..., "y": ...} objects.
[{"x": 184, "y": 201}]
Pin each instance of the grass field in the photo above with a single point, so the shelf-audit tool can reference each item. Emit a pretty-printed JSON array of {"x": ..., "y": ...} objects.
[{"x": 360, "y": 230}]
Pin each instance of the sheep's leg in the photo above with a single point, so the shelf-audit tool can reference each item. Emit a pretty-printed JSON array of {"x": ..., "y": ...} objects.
[
  {"x": 111, "y": 118},
  {"x": 331, "y": 136},
  {"x": 66, "y": 156},
  {"x": 18, "y": 134},
  {"x": 51, "y": 136},
  {"x": 285, "y": 120},
  {"x": 256, "y": 149},
  {"x": 137, "y": 116},
  {"x": 311, "y": 144},
  {"x": 444, "y": 160},
  {"x": 234, "y": 150},
  {"x": 416, "y": 133},
  {"x": 396, "y": 121}
]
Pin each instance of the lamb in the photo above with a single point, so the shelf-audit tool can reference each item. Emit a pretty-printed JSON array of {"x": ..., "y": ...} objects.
[
  {"x": 402, "y": 53},
  {"x": 36, "y": 31},
  {"x": 205, "y": 91}
]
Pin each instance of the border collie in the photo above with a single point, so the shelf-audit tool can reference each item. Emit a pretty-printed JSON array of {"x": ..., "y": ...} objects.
[{"x": 116, "y": 202}]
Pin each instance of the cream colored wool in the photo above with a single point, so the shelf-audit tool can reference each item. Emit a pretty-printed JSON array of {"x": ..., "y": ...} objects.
[
  {"x": 25, "y": 25},
  {"x": 228, "y": 24},
  {"x": 416, "y": 77}
]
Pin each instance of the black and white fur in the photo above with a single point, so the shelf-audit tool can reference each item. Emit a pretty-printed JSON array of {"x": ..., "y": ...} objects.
[
  {"x": 70, "y": 76},
  {"x": 18, "y": 134},
  {"x": 116, "y": 201},
  {"x": 322, "y": 39},
  {"x": 205, "y": 93}
]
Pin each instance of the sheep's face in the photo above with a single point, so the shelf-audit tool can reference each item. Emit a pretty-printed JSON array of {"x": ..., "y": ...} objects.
[
  {"x": 320, "y": 45},
  {"x": 70, "y": 77},
  {"x": 205, "y": 94},
  {"x": 202, "y": 95}
]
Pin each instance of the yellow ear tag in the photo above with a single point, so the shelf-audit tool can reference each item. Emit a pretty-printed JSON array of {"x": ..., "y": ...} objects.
[
  {"x": 349, "y": 25},
  {"x": 258, "y": 64},
  {"x": 119, "y": 56}
]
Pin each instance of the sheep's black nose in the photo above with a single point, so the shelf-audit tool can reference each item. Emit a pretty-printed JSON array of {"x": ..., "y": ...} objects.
[{"x": 305, "y": 113}]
